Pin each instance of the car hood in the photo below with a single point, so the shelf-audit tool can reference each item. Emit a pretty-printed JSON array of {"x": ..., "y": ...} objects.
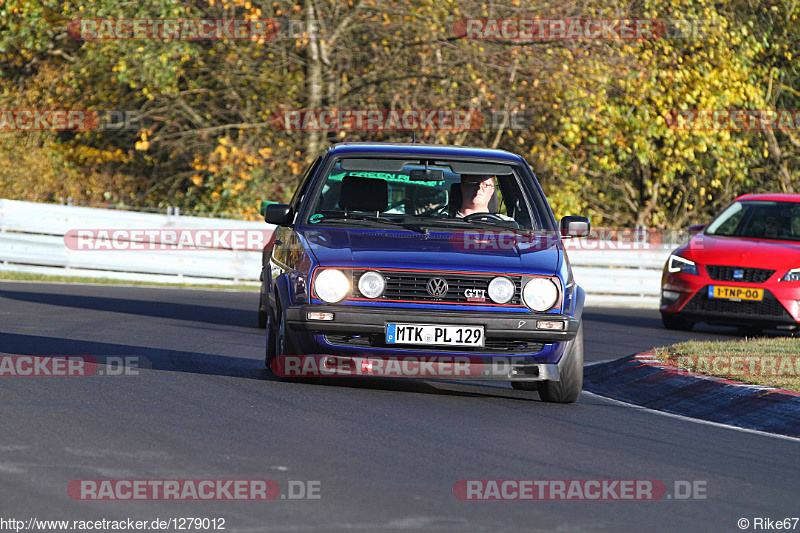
[
  {"x": 480, "y": 250},
  {"x": 737, "y": 251}
]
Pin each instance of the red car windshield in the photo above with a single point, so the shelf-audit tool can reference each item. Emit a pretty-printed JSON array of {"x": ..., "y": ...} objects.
[{"x": 759, "y": 219}]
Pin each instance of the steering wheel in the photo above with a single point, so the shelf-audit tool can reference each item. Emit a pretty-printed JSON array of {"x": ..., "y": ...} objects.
[
  {"x": 439, "y": 210},
  {"x": 483, "y": 216}
]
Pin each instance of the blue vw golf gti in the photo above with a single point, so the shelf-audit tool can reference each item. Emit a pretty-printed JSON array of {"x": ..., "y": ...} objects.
[{"x": 421, "y": 252}]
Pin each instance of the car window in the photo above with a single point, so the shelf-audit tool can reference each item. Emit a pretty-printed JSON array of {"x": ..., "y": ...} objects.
[
  {"x": 759, "y": 219},
  {"x": 304, "y": 183},
  {"x": 403, "y": 190},
  {"x": 727, "y": 221}
]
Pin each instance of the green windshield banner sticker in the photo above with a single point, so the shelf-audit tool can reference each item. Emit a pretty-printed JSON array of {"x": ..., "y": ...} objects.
[{"x": 401, "y": 178}]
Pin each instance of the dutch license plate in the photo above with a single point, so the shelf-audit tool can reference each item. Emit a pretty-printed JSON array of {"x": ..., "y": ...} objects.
[
  {"x": 735, "y": 293},
  {"x": 433, "y": 335}
]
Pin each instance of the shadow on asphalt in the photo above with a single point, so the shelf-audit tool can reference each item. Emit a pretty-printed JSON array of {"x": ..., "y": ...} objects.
[
  {"x": 651, "y": 319},
  {"x": 423, "y": 387},
  {"x": 632, "y": 319},
  {"x": 214, "y": 365},
  {"x": 224, "y": 316},
  {"x": 154, "y": 358}
]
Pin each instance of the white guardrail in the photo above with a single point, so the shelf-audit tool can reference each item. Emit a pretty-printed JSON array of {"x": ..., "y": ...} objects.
[
  {"x": 620, "y": 277},
  {"x": 32, "y": 240}
]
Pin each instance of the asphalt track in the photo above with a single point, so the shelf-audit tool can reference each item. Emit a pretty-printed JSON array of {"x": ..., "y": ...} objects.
[{"x": 386, "y": 454}]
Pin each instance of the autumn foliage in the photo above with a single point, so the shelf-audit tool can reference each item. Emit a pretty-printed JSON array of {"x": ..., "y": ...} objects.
[{"x": 596, "y": 112}]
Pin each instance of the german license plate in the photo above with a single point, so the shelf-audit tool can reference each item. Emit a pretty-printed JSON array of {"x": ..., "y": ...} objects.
[
  {"x": 433, "y": 335},
  {"x": 735, "y": 293}
]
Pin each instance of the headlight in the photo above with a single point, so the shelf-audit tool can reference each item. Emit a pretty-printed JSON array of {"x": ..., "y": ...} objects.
[
  {"x": 540, "y": 294},
  {"x": 501, "y": 290},
  {"x": 371, "y": 284},
  {"x": 332, "y": 285},
  {"x": 679, "y": 264},
  {"x": 792, "y": 275}
]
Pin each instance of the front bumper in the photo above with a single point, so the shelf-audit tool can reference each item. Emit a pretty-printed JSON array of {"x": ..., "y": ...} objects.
[
  {"x": 371, "y": 320},
  {"x": 448, "y": 367},
  {"x": 780, "y": 305},
  {"x": 542, "y": 350}
]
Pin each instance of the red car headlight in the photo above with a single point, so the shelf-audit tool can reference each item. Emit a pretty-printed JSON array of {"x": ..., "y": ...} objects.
[
  {"x": 792, "y": 275},
  {"x": 677, "y": 263}
]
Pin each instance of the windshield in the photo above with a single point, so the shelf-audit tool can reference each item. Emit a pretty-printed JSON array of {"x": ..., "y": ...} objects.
[
  {"x": 424, "y": 193},
  {"x": 759, "y": 219}
]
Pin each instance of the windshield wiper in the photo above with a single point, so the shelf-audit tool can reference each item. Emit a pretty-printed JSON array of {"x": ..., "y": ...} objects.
[
  {"x": 416, "y": 227},
  {"x": 451, "y": 221}
]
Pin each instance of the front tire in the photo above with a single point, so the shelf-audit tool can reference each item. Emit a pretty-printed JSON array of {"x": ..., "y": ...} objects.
[
  {"x": 568, "y": 388},
  {"x": 271, "y": 344},
  {"x": 280, "y": 339},
  {"x": 282, "y": 345},
  {"x": 262, "y": 306}
]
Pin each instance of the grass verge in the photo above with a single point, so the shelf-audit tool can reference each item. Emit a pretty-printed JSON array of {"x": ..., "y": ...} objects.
[
  {"x": 774, "y": 362},
  {"x": 26, "y": 276}
]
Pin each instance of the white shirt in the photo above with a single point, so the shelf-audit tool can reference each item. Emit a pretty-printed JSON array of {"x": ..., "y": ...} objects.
[{"x": 503, "y": 217}]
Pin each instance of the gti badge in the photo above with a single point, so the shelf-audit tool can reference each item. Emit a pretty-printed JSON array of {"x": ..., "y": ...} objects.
[{"x": 475, "y": 295}]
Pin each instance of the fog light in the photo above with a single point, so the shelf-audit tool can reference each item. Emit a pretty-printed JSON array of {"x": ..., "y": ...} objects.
[
  {"x": 371, "y": 284},
  {"x": 550, "y": 324},
  {"x": 501, "y": 290},
  {"x": 319, "y": 316},
  {"x": 670, "y": 296}
]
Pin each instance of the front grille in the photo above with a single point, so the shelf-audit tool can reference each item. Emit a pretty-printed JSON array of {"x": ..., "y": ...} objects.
[
  {"x": 749, "y": 275},
  {"x": 492, "y": 345},
  {"x": 412, "y": 286},
  {"x": 514, "y": 346},
  {"x": 768, "y": 307}
]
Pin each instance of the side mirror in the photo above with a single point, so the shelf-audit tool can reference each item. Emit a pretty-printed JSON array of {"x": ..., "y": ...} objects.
[
  {"x": 572, "y": 226},
  {"x": 264, "y": 205},
  {"x": 695, "y": 229},
  {"x": 279, "y": 214}
]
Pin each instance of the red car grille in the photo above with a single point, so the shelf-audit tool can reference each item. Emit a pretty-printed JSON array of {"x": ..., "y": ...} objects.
[
  {"x": 768, "y": 307},
  {"x": 747, "y": 275}
]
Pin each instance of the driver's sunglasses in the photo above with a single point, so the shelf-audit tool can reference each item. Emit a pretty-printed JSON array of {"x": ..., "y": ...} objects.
[{"x": 474, "y": 184}]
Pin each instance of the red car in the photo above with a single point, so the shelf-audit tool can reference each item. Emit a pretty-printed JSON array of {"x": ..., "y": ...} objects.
[{"x": 741, "y": 269}]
